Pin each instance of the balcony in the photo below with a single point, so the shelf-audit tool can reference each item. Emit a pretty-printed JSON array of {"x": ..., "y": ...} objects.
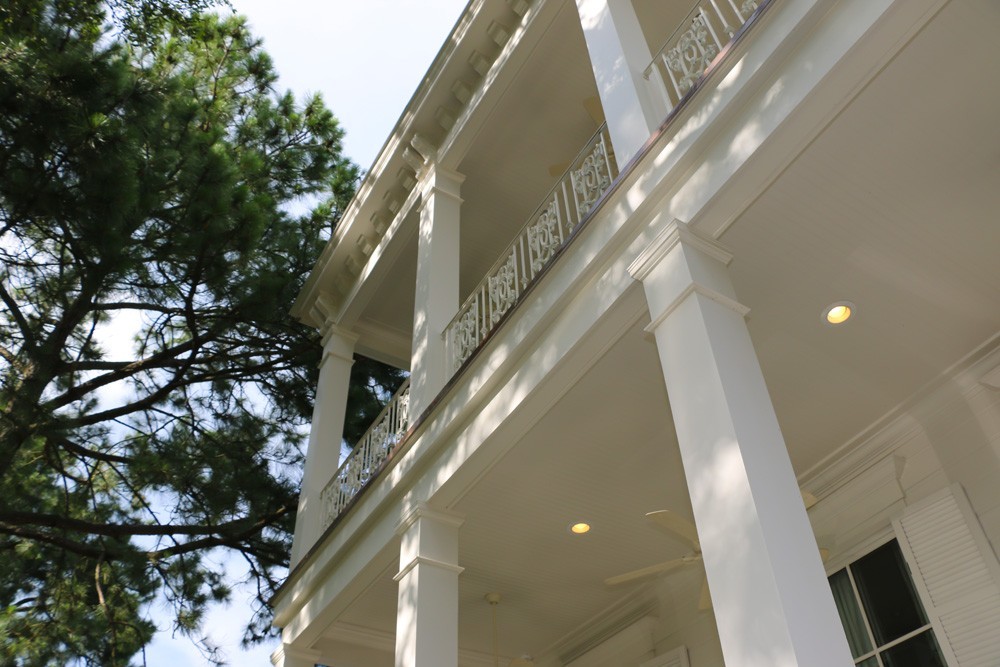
[
  {"x": 503, "y": 166},
  {"x": 690, "y": 50},
  {"x": 536, "y": 245},
  {"x": 368, "y": 456}
]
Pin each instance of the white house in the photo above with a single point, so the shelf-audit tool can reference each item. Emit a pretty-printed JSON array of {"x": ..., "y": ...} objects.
[{"x": 604, "y": 238}]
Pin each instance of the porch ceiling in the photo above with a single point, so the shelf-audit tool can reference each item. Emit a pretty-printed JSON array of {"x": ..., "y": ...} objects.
[
  {"x": 894, "y": 207},
  {"x": 545, "y": 117}
]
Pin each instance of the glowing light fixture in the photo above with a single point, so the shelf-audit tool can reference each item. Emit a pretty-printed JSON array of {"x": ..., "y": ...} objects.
[
  {"x": 580, "y": 528},
  {"x": 839, "y": 312}
]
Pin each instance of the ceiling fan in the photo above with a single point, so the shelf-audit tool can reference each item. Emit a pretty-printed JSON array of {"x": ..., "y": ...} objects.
[
  {"x": 524, "y": 660},
  {"x": 677, "y": 526}
]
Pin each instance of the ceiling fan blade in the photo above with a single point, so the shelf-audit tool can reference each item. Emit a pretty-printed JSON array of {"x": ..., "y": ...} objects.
[
  {"x": 705, "y": 597},
  {"x": 677, "y": 525},
  {"x": 646, "y": 572}
]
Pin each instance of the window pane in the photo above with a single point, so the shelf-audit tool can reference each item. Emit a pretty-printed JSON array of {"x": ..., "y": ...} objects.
[
  {"x": 887, "y": 594},
  {"x": 870, "y": 662},
  {"x": 850, "y": 614},
  {"x": 919, "y": 651}
]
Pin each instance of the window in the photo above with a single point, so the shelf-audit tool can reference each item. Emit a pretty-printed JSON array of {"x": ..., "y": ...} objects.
[{"x": 885, "y": 623}]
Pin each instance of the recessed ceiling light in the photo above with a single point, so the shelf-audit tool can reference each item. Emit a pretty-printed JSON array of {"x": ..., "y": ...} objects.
[
  {"x": 580, "y": 528},
  {"x": 838, "y": 313}
]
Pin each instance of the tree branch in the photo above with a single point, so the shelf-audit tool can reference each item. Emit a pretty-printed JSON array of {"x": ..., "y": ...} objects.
[{"x": 239, "y": 528}]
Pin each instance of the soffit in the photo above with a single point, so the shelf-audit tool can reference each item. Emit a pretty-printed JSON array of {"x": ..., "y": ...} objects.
[
  {"x": 577, "y": 463},
  {"x": 894, "y": 208}
]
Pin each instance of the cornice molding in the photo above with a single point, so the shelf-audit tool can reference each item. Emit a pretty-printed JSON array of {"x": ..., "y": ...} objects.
[
  {"x": 898, "y": 425},
  {"x": 437, "y": 180}
]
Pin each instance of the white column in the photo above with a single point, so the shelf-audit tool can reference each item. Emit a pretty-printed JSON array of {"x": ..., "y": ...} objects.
[
  {"x": 436, "y": 301},
  {"x": 325, "y": 436},
  {"x": 772, "y": 602},
  {"x": 619, "y": 55},
  {"x": 427, "y": 611}
]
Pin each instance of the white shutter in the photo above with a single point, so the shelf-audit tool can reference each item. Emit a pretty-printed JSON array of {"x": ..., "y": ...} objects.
[{"x": 956, "y": 574}]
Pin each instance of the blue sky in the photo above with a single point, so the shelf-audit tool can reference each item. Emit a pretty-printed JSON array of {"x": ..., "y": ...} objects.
[{"x": 366, "y": 58}]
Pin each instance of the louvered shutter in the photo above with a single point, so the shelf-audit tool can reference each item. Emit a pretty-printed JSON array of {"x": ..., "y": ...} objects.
[{"x": 956, "y": 574}]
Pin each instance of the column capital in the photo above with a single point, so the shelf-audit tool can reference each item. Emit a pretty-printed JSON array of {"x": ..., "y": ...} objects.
[
  {"x": 424, "y": 511},
  {"x": 338, "y": 342},
  {"x": 437, "y": 180},
  {"x": 680, "y": 262},
  {"x": 673, "y": 235}
]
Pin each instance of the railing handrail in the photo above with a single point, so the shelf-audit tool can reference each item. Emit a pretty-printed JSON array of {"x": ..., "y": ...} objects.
[
  {"x": 691, "y": 48},
  {"x": 545, "y": 201},
  {"x": 669, "y": 42},
  {"x": 366, "y": 457},
  {"x": 527, "y": 223},
  {"x": 375, "y": 422}
]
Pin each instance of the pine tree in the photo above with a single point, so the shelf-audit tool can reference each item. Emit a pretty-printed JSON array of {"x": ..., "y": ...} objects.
[{"x": 152, "y": 183}]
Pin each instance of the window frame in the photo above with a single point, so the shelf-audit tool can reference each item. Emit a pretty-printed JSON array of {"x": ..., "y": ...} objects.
[{"x": 877, "y": 649}]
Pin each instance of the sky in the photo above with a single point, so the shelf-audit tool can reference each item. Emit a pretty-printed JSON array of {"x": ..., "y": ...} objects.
[{"x": 366, "y": 57}]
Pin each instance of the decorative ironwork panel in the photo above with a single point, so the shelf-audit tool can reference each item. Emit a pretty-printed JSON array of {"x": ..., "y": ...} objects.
[
  {"x": 367, "y": 456},
  {"x": 689, "y": 51},
  {"x": 695, "y": 49},
  {"x": 591, "y": 179},
  {"x": 535, "y": 246},
  {"x": 544, "y": 237},
  {"x": 464, "y": 333},
  {"x": 503, "y": 288}
]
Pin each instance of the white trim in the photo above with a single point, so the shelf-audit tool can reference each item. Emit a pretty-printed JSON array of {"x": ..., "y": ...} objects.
[
  {"x": 675, "y": 233},
  {"x": 424, "y": 560},
  {"x": 697, "y": 288},
  {"x": 424, "y": 511}
]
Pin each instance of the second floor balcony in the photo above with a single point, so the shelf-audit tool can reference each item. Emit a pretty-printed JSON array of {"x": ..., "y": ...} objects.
[{"x": 534, "y": 162}]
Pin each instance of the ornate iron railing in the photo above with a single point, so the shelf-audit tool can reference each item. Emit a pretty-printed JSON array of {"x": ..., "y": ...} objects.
[
  {"x": 689, "y": 51},
  {"x": 548, "y": 228},
  {"x": 368, "y": 455}
]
